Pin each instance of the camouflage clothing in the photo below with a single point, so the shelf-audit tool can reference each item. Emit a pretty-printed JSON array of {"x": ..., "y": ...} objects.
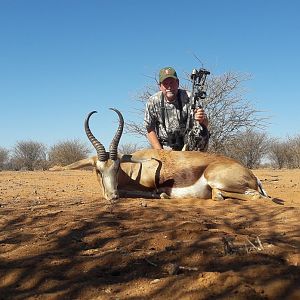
[{"x": 175, "y": 118}]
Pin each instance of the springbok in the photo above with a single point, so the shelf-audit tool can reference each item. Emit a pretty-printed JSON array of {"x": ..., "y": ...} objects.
[{"x": 151, "y": 173}]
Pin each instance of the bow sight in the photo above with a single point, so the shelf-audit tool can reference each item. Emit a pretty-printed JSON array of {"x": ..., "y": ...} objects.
[{"x": 198, "y": 78}]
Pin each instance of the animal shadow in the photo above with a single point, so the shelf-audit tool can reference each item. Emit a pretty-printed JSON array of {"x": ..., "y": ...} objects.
[{"x": 278, "y": 201}]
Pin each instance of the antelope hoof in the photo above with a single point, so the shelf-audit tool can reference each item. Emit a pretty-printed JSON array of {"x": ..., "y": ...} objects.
[
  {"x": 164, "y": 196},
  {"x": 218, "y": 196}
]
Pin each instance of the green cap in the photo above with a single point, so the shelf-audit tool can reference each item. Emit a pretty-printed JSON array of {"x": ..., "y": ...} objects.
[{"x": 166, "y": 73}]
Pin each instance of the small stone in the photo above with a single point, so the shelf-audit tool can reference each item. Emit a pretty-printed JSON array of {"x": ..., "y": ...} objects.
[
  {"x": 172, "y": 268},
  {"x": 154, "y": 281}
]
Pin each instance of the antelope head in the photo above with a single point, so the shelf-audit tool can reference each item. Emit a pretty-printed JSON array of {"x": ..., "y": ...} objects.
[{"x": 108, "y": 163}]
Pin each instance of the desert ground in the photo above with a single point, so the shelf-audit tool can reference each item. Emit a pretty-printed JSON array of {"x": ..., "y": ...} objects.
[{"x": 59, "y": 239}]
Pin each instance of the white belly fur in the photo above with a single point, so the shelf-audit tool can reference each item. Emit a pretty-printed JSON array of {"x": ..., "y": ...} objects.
[{"x": 200, "y": 189}]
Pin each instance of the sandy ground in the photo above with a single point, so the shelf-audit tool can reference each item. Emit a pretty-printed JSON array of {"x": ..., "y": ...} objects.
[{"x": 60, "y": 240}]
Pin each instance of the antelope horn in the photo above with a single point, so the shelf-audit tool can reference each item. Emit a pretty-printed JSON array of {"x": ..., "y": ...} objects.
[
  {"x": 101, "y": 153},
  {"x": 113, "y": 148}
]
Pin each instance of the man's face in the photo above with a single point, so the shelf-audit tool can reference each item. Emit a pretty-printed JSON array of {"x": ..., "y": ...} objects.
[{"x": 169, "y": 87}]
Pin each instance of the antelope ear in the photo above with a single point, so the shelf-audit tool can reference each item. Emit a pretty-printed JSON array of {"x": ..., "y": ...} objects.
[{"x": 129, "y": 158}]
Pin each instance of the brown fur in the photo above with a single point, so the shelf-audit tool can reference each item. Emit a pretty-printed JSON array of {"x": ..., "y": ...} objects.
[{"x": 167, "y": 169}]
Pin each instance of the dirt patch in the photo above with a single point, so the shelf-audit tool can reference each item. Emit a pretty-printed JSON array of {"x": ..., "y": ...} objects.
[{"x": 60, "y": 240}]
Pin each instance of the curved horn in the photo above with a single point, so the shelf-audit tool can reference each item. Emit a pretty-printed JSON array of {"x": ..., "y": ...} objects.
[
  {"x": 113, "y": 148},
  {"x": 102, "y": 155}
]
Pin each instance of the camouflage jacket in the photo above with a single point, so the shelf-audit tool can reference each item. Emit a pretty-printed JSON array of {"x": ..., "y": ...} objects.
[{"x": 175, "y": 120}]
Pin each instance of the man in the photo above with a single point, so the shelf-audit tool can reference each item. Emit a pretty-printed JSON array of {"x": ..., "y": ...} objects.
[{"x": 167, "y": 112}]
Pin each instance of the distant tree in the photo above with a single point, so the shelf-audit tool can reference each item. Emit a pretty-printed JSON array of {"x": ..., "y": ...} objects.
[
  {"x": 228, "y": 110},
  {"x": 67, "y": 152},
  {"x": 285, "y": 153},
  {"x": 249, "y": 147},
  {"x": 29, "y": 155},
  {"x": 138, "y": 128},
  {"x": 294, "y": 150},
  {"x": 278, "y": 153},
  {"x": 4, "y": 156},
  {"x": 128, "y": 148}
]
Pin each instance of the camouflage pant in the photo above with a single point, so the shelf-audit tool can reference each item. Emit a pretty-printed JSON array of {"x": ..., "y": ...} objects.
[{"x": 197, "y": 139}]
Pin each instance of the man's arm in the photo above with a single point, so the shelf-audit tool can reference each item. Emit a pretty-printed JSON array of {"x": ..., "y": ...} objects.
[
  {"x": 153, "y": 139},
  {"x": 150, "y": 122}
]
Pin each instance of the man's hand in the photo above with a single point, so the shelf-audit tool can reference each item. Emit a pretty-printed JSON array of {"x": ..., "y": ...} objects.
[{"x": 200, "y": 116}]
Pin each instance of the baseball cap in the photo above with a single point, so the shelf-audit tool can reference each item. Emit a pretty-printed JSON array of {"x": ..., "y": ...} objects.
[{"x": 166, "y": 73}]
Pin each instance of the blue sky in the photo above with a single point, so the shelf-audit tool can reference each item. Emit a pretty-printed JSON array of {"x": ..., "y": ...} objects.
[{"x": 60, "y": 59}]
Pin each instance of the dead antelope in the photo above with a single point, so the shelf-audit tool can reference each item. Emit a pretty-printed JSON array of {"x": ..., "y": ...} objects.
[{"x": 166, "y": 173}]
